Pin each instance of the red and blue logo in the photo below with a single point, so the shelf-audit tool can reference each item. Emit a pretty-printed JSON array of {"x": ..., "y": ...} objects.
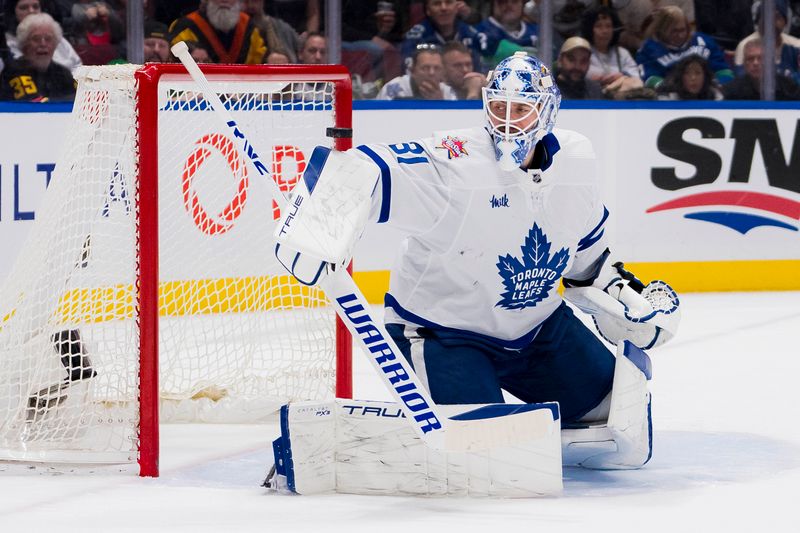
[{"x": 739, "y": 210}]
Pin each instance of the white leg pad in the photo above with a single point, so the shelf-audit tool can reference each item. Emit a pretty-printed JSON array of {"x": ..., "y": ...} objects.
[
  {"x": 625, "y": 441},
  {"x": 365, "y": 447}
]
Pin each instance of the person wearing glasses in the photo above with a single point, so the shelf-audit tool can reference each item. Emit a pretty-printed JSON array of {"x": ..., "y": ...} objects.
[
  {"x": 424, "y": 81},
  {"x": 36, "y": 77}
]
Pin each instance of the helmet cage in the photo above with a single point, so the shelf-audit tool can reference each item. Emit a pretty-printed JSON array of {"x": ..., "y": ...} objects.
[
  {"x": 508, "y": 128},
  {"x": 520, "y": 79}
]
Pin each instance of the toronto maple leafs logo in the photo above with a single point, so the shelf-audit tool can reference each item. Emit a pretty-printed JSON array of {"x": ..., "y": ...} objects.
[
  {"x": 528, "y": 281},
  {"x": 454, "y": 147}
]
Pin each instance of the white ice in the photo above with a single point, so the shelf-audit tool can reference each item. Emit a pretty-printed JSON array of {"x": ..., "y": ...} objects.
[{"x": 726, "y": 457}]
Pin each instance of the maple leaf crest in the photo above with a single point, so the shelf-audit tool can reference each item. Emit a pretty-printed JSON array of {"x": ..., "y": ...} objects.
[{"x": 530, "y": 279}]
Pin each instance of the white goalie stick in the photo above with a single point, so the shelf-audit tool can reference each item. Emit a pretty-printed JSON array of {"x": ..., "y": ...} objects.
[{"x": 478, "y": 429}]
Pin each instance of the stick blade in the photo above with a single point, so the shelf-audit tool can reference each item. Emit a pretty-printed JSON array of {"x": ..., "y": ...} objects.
[{"x": 500, "y": 425}]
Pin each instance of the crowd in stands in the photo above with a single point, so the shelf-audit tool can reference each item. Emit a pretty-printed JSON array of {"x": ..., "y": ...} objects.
[{"x": 422, "y": 49}]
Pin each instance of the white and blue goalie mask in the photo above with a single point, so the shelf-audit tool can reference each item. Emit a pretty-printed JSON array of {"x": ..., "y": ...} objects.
[{"x": 520, "y": 102}]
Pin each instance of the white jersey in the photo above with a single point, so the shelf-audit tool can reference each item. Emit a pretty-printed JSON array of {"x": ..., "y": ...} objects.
[
  {"x": 400, "y": 89},
  {"x": 486, "y": 249}
]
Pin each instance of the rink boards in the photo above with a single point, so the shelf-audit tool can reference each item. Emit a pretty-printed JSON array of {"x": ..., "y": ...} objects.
[{"x": 705, "y": 197}]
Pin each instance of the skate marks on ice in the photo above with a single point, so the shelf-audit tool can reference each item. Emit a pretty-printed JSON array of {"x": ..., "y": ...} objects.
[
  {"x": 681, "y": 460},
  {"x": 686, "y": 460}
]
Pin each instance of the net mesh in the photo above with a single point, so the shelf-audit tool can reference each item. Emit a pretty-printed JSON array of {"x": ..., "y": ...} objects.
[{"x": 236, "y": 336}]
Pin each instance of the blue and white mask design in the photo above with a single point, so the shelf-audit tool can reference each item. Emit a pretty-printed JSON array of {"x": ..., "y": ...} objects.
[{"x": 520, "y": 103}]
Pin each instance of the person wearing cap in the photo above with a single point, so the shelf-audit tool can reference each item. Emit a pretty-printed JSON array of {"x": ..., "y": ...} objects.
[
  {"x": 672, "y": 39},
  {"x": 785, "y": 45},
  {"x": 571, "y": 69},
  {"x": 156, "y": 42}
]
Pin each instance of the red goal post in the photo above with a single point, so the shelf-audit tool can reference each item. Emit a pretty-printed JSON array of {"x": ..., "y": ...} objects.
[{"x": 164, "y": 248}]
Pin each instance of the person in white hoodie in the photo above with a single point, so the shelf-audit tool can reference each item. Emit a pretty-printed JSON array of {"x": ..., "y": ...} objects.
[{"x": 16, "y": 10}]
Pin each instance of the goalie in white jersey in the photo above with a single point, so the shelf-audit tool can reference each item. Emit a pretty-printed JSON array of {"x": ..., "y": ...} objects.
[{"x": 496, "y": 216}]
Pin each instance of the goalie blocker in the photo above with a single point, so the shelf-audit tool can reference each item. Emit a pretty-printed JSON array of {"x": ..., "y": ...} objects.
[
  {"x": 326, "y": 216},
  {"x": 365, "y": 447}
]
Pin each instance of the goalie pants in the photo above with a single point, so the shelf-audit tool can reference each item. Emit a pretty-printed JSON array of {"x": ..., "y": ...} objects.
[{"x": 565, "y": 362}]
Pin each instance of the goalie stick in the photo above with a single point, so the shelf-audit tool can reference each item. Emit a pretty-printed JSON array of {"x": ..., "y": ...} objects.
[{"x": 478, "y": 429}]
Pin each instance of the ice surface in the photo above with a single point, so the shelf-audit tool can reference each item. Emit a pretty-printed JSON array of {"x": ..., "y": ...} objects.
[{"x": 726, "y": 457}]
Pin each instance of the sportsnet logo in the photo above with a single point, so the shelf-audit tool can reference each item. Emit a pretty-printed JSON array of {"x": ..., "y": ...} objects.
[
  {"x": 739, "y": 210},
  {"x": 739, "y": 207}
]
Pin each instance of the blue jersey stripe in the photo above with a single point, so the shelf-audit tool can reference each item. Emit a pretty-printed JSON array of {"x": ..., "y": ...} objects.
[
  {"x": 386, "y": 182},
  {"x": 315, "y": 165},
  {"x": 595, "y": 234}
]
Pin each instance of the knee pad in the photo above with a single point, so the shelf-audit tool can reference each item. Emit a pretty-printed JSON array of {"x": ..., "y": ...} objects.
[{"x": 625, "y": 441}]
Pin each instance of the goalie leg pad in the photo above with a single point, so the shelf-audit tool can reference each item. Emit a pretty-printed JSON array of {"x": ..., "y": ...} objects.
[
  {"x": 365, "y": 447},
  {"x": 626, "y": 440}
]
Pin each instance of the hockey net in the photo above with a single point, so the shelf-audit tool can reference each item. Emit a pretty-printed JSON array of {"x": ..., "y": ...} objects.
[{"x": 150, "y": 267}]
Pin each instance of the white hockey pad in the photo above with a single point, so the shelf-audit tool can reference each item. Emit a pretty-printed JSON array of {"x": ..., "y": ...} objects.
[
  {"x": 329, "y": 206},
  {"x": 625, "y": 441},
  {"x": 366, "y": 447},
  {"x": 647, "y": 320}
]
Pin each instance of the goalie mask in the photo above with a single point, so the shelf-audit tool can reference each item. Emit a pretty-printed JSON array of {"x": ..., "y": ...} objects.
[{"x": 521, "y": 102}]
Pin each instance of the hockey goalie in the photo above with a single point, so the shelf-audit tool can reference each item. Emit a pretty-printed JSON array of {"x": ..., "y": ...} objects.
[{"x": 495, "y": 217}]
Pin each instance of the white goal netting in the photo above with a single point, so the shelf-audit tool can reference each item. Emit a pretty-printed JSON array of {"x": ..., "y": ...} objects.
[{"x": 236, "y": 337}]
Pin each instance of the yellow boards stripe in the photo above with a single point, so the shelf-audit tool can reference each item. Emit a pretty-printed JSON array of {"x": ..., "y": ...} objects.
[
  {"x": 194, "y": 297},
  {"x": 262, "y": 293}
]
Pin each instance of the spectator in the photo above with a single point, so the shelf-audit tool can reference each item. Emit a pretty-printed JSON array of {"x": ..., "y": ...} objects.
[
  {"x": 747, "y": 86},
  {"x": 785, "y": 44},
  {"x": 278, "y": 35},
  {"x": 567, "y": 15},
  {"x": 156, "y": 43},
  {"x": 459, "y": 73},
  {"x": 15, "y": 12},
  {"x": 198, "y": 52},
  {"x": 224, "y": 30},
  {"x": 313, "y": 49},
  {"x": 35, "y": 76},
  {"x": 610, "y": 65},
  {"x": 278, "y": 57},
  {"x": 425, "y": 78},
  {"x": 305, "y": 16},
  {"x": 571, "y": 70},
  {"x": 637, "y": 15},
  {"x": 690, "y": 79},
  {"x": 727, "y": 21},
  {"x": 440, "y": 26},
  {"x": 96, "y": 24},
  {"x": 507, "y": 32},
  {"x": 370, "y": 29},
  {"x": 793, "y": 25},
  {"x": 670, "y": 40},
  {"x": 469, "y": 11}
]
